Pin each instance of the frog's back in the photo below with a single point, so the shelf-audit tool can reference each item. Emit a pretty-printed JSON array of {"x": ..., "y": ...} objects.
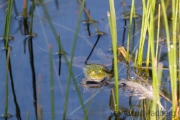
[{"x": 95, "y": 72}]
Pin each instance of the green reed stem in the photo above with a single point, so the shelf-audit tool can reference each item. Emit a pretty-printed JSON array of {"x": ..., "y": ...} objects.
[
  {"x": 178, "y": 54},
  {"x": 59, "y": 43},
  {"x": 54, "y": 32},
  {"x": 8, "y": 22},
  {"x": 159, "y": 66},
  {"x": 65, "y": 58},
  {"x": 159, "y": 75},
  {"x": 174, "y": 56},
  {"x": 112, "y": 100},
  {"x": 70, "y": 66},
  {"x": 7, "y": 69},
  {"x": 148, "y": 56},
  {"x": 172, "y": 52},
  {"x": 51, "y": 83},
  {"x": 157, "y": 41},
  {"x": 154, "y": 64},
  {"x": 149, "y": 46},
  {"x": 112, "y": 22},
  {"x": 145, "y": 22},
  {"x": 129, "y": 28}
]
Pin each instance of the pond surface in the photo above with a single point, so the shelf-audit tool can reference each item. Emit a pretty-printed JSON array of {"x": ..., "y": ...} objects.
[{"x": 64, "y": 20}]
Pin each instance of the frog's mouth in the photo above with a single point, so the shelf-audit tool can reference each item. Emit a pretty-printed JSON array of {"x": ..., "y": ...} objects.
[{"x": 93, "y": 84}]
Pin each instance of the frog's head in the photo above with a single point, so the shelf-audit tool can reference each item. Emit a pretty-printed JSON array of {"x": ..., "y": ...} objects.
[{"x": 94, "y": 72}]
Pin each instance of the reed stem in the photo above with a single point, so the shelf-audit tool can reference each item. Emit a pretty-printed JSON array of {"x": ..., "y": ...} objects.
[
  {"x": 7, "y": 69},
  {"x": 172, "y": 52},
  {"x": 8, "y": 22},
  {"x": 51, "y": 83},
  {"x": 112, "y": 23},
  {"x": 70, "y": 69},
  {"x": 129, "y": 29},
  {"x": 65, "y": 58}
]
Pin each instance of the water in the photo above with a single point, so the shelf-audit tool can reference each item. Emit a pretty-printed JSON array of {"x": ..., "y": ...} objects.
[{"x": 64, "y": 20}]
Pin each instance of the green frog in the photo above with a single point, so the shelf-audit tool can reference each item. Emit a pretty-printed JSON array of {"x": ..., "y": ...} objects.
[{"x": 96, "y": 75}]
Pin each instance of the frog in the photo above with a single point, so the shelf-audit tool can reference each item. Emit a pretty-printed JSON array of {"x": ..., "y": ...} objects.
[{"x": 96, "y": 75}]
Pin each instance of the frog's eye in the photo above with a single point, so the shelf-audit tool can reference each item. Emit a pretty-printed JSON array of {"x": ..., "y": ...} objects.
[{"x": 100, "y": 71}]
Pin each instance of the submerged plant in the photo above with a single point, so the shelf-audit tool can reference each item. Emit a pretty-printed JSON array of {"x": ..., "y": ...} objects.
[
  {"x": 88, "y": 22},
  {"x": 60, "y": 53},
  {"x": 23, "y": 19},
  {"x": 6, "y": 114},
  {"x": 136, "y": 88}
]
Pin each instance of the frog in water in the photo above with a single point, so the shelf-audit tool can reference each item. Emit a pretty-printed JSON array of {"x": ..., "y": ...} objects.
[{"x": 97, "y": 75}]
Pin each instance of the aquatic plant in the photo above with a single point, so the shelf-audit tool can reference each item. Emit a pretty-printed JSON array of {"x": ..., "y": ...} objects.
[
  {"x": 6, "y": 115},
  {"x": 172, "y": 53},
  {"x": 136, "y": 88},
  {"x": 51, "y": 83},
  {"x": 7, "y": 23},
  {"x": 70, "y": 69},
  {"x": 129, "y": 29},
  {"x": 112, "y": 24},
  {"x": 65, "y": 58},
  {"x": 148, "y": 51}
]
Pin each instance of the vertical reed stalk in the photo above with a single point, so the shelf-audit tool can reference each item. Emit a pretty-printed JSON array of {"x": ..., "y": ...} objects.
[
  {"x": 129, "y": 29},
  {"x": 8, "y": 22},
  {"x": 51, "y": 83},
  {"x": 7, "y": 69},
  {"x": 112, "y": 23},
  {"x": 159, "y": 75},
  {"x": 157, "y": 41},
  {"x": 179, "y": 53},
  {"x": 148, "y": 58},
  {"x": 174, "y": 58},
  {"x": 125, "y": 22},
  {"x": 65, "y": 58},
  {"x": 145, "y": 22},
  {"x": 70, "y": 68},
  {"x": 154, "y": 63},
  {"x": 172, "y": 52}
]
